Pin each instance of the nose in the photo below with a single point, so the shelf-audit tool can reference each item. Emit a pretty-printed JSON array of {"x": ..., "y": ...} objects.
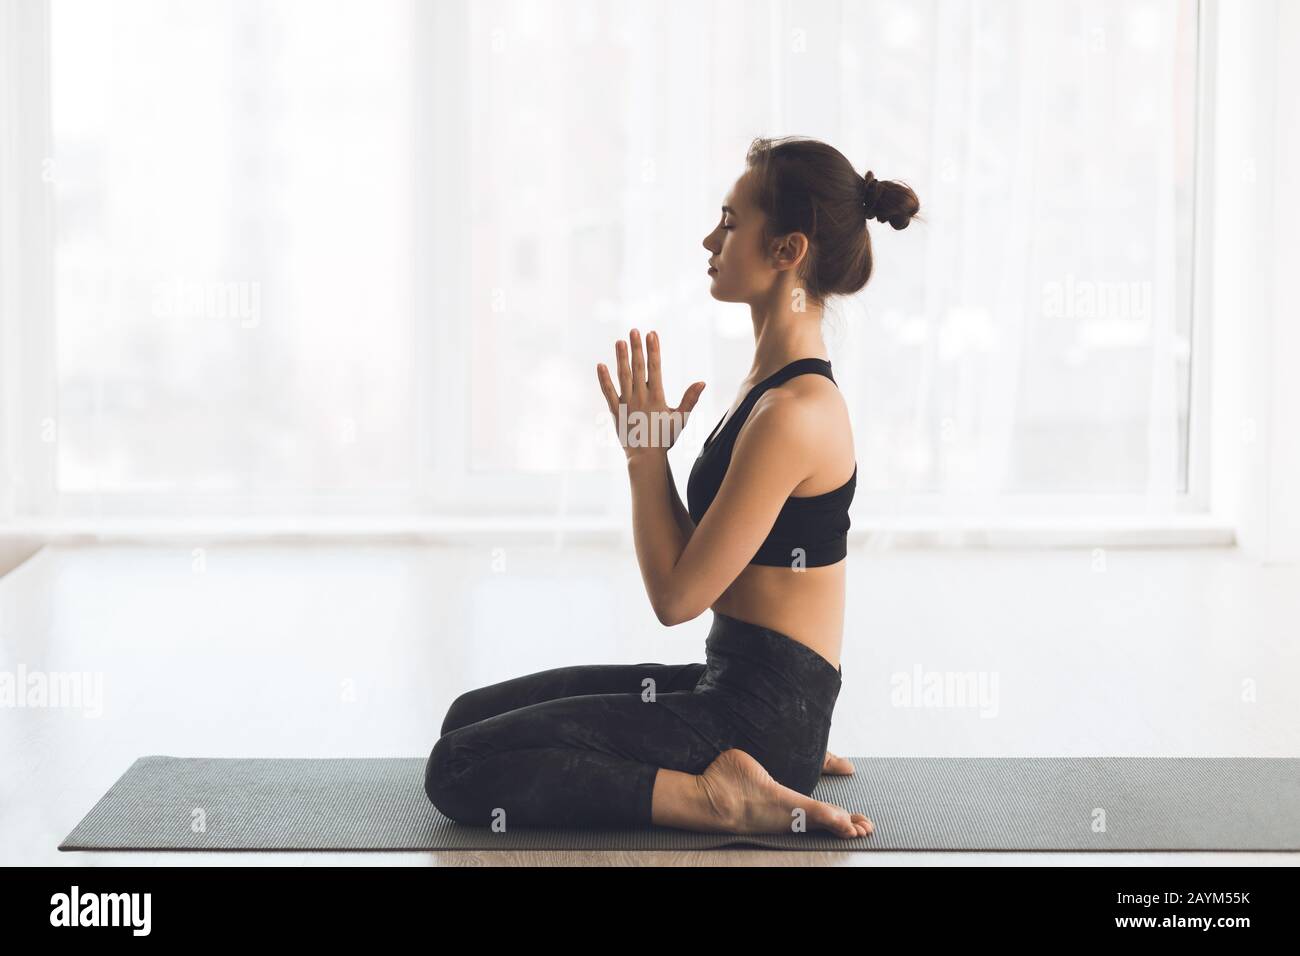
[{"x": 711, "y": 243}]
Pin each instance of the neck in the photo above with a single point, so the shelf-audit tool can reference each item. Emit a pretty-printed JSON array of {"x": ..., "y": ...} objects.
[{"x": 782, "y": 334}]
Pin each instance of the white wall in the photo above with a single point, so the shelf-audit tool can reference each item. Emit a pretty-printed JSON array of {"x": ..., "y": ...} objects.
[{"x": 1255, "y": 477}]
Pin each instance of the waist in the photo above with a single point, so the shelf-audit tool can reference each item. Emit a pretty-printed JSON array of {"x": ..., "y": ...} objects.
[
  {"x": 809, "y": 603},
  {"x": 758, "y": 662}
]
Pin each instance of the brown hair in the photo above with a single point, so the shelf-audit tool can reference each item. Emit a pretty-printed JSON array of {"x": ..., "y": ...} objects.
[{"x": 804, "y": 185}]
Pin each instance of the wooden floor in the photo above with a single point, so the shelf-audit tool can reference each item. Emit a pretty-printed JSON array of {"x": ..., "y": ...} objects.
[{"x": 356, "y": 651}]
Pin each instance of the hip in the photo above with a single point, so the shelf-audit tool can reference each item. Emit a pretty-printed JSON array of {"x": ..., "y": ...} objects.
[
  {"x": 765, "y": 693},
  {"x": 768, "y": 671}
]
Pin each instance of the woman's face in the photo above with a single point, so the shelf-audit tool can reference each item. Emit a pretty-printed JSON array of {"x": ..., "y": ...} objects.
[{"x": 738, "y": 266}]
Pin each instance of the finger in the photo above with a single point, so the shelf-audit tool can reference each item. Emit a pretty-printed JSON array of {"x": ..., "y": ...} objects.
[
  {"x": 638, "y": 361},
  {"x": 654, "y": 375},
  {"x": 690, "y": 397},
  {"x": 624, "y": 371},
  {"x": 607, "y": 388}
]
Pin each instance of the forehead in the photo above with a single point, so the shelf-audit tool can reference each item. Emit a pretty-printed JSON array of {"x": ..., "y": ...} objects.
[{"x": 738, "y": 196}]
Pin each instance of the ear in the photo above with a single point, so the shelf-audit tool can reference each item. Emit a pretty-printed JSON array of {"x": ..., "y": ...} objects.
[{"x": 788, "y": 251}]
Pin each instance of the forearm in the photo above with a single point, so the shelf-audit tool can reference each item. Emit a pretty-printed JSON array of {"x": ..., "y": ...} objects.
[
  {"x": 659, "y": 539},
  {"x": 680, "y": 511}
]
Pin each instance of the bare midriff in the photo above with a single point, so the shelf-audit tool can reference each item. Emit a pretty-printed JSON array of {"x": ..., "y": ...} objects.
[{"x": 805, "y": 605}]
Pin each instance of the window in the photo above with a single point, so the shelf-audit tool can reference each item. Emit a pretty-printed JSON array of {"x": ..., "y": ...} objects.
[
  {"x": 363, "y": 257},
  {"x": 233, "y": 271}
]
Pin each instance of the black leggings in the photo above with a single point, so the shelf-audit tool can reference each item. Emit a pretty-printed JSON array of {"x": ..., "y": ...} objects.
[{"x": 580, "y": 746}]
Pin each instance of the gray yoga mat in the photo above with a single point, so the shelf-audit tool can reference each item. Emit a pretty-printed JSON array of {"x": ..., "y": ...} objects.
[{"x": 916, "y": 803}]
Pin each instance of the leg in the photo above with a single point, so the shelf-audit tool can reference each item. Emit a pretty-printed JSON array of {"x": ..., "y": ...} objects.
[
  {"x": 584, "y": 761},
  {"x": 614, "y": 760},
  {"x": 578, "y": 680}
]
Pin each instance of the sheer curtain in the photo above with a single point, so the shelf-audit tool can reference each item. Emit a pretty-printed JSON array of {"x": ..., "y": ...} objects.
[{"x": 344, "y": 257}]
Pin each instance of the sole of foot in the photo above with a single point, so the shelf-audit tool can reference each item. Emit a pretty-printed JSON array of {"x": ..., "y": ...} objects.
[{"x": 744, "y": 798}]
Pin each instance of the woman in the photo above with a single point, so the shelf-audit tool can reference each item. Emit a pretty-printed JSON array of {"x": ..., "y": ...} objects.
[{"x": 735, "y": 744}]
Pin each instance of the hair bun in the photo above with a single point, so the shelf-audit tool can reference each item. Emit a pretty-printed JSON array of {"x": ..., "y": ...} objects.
[
  {"x": 870, "y": 194},
  {"x": 888, "y": 201}
]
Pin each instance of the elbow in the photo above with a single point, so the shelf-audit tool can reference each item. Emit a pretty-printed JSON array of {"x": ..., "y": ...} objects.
[
  {"x": 665, "y": 613},
  {"x": 668, "y": 619},
  {"x": 672, "y": 610}
]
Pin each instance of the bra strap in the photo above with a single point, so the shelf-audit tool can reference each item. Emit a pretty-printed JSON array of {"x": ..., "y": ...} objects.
[{"x": 798, "y": 367}]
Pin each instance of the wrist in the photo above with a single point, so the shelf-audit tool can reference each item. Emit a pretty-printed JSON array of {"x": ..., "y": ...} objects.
[{"x": 647, "y": 458}]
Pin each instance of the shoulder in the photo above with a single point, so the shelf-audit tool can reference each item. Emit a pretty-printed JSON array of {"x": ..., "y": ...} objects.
[
  {"x": 801, "y": 429},
  {"x": 810, "y": 404},
  {"x": 801, "y": 416}
]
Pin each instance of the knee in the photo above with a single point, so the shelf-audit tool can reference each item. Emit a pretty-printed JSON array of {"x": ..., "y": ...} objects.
[
  {"x": 438, "y": 778},
  {"x": 442, "y": 779},
  {"x": 459, "y": 714}
]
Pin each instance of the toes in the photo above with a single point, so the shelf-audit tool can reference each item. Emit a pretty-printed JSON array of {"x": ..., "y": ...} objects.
[
  {"x": 849, "y": 825},
  {"x": 835, "y": 819},
  {"x": 841, "y": 766}
]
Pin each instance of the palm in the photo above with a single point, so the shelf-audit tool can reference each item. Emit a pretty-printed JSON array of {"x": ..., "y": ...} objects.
[{"x": 644, "y": 420}]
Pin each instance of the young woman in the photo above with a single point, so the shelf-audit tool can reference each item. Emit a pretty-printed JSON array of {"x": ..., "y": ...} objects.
[{"x": 735, "y": 744}]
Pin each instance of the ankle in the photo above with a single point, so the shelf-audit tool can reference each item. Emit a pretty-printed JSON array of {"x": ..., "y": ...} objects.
[
  {"x": 685, "y": 800},
  {"x": 673, "y": 802},
  {"x": 721, "y": 804}
]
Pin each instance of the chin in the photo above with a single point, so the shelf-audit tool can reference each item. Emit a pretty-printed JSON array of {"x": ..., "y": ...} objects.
[{"x": 718, "y": 293}]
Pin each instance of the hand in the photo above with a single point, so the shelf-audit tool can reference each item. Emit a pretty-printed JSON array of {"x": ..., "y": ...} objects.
[{"x": 645, "y": 423}]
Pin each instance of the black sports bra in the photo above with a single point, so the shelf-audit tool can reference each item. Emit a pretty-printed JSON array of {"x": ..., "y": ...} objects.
[{"x": 811, "y": 531}]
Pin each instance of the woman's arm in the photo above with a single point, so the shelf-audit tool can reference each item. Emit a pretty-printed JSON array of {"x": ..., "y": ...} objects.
[
  {"x": 680, "y": 511},
  {"x": 659, "y": 539},
  {"x": 684, "y": 574}
]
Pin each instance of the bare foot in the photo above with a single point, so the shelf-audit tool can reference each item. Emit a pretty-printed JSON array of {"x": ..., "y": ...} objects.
[
  {"x": 840, "y": 766},
  {"x": 744, "y": 798}
]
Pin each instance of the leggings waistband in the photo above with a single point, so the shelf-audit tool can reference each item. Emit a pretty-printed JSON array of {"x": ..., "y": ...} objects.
[{"x": 759, "y": 661}]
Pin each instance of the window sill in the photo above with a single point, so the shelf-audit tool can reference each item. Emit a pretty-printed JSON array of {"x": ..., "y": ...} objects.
[{"x": 895, "y": 531}]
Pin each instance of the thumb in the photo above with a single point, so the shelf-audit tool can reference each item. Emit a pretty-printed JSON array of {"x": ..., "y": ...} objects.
[{"x": 690, "y": 397}]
